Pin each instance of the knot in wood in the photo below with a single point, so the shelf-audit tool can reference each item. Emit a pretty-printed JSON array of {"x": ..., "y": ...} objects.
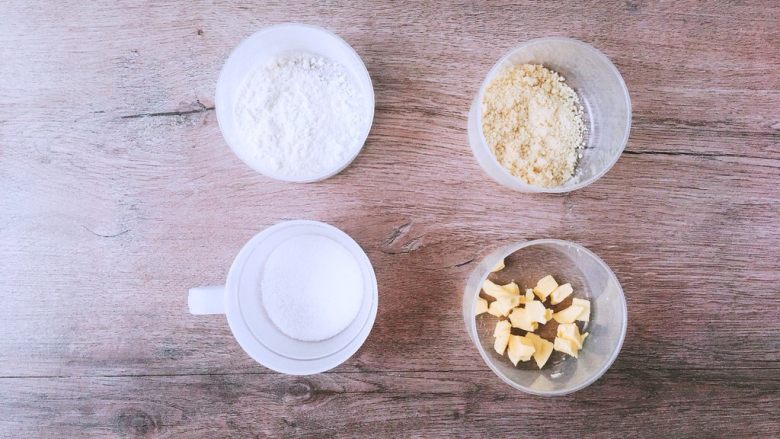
[
  {"x": 136, "y": 422},
  {"x": 298, "y": 390}
]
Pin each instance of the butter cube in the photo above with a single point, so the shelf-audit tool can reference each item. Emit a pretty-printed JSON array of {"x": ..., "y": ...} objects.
[
  {"x": 502, "y": 328},
  {"x": 521, "y": 318},
  {"x": 570, "y": 331},
  {"x": 500, "y": 344},
  {"x": 561, "y": 293},
  {"x": 585, "y": 314},
  {"x": 498, "y": 291},
  {"x": 499, "y": 266},
  {"x": 520, "y": 349},
  {"x": 536, "y": 311},
  {"x": 529, "y": 296},
  {"x": 501, "y": 333},
  {"x": 568, "y": 315},
  {"x": 566, "y": 346},
  {"x": 482, "y": 305},
  {"x": 568, "y": 339},
  {"x": 542, "y": 349},
  {"x": 501, "y": 307},
  {"x": 545, "y": 287}
]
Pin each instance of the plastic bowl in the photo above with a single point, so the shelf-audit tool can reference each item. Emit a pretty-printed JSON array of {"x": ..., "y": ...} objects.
[
  {"x": 591, "y": 278},
  {"x": 603, "y": 95},
  {"x": 241, "y": 300},
  {"x": 263, "y": 46}
]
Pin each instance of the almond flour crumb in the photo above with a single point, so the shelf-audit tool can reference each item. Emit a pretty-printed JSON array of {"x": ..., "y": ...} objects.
[{"x": 532, "y": 121}]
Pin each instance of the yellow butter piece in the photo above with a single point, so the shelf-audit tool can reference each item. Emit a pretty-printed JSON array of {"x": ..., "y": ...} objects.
[
  {"x": 502, "y": 328},
  {"x": 561, "y": 293},
  {"x": 500, "y": 344},
  {"x": 501, "y": 333},
  {"x": 548, "y": 313},
  {"x": 529, "y": 296},
  {"x": 501, "y": 307},
  {"x": 499, "y": 266},
  {"x": 542, "y": 349},
  {"x": 521, "y": 318},
  {"x": 498, "y": 291},
  {"x": 585, "y": 314},
  {"x": 482, "y": 305},
  {"x": 536, "y": 311},
  {"x": 520, "y": 349},
  {"x": 566, "y": 346},
  {"x": 570, "y": 331},
  {"x": 545, "y": 287},
  {"x": 568, "y": 315}
]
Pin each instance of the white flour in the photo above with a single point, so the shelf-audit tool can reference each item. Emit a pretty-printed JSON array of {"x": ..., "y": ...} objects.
[
  {"x": 300, "y": 115},
  {"x": 312, "y": 287}
]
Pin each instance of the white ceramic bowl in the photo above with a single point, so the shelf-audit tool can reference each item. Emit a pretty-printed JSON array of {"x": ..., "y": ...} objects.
[{"x": 262, "y": 46}]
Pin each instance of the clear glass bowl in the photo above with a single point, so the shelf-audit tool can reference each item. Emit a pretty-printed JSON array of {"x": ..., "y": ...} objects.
[
  {"x": 591, "y": 279},
  {"x": 603, "y": 95}
]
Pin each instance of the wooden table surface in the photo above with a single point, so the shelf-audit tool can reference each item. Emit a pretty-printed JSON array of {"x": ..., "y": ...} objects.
[{"x": 118, "y": 193}]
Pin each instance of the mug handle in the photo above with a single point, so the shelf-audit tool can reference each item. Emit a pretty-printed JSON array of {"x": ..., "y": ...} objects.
[{"x": 207, "y": 300}]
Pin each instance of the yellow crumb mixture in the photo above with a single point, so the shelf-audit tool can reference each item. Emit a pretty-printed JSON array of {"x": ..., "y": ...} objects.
[{"x": 532, "y": 121}]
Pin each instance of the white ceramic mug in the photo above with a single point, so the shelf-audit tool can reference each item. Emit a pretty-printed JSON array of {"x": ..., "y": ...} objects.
[{"x": 240, "y": 300}]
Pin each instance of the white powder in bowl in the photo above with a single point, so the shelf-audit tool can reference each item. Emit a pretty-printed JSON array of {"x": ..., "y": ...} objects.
[
  {"x": 300, "y": 115},
  {"x": 312, "y": 287}
]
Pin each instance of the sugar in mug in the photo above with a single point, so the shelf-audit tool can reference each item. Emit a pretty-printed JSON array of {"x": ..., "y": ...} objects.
[{"x": 240, "y": 299}]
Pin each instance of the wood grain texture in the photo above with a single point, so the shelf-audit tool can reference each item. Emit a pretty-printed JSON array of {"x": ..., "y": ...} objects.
[{"x": 117, "y": 194}]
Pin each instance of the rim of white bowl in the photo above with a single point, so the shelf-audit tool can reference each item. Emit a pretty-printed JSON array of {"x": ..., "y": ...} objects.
[{"x": 558, "y": 189}]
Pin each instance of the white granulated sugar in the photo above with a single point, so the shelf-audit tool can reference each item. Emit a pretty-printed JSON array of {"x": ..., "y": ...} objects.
[
  {"x": 312, "y": 287},
  {"x": 300, "y": 115}
]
